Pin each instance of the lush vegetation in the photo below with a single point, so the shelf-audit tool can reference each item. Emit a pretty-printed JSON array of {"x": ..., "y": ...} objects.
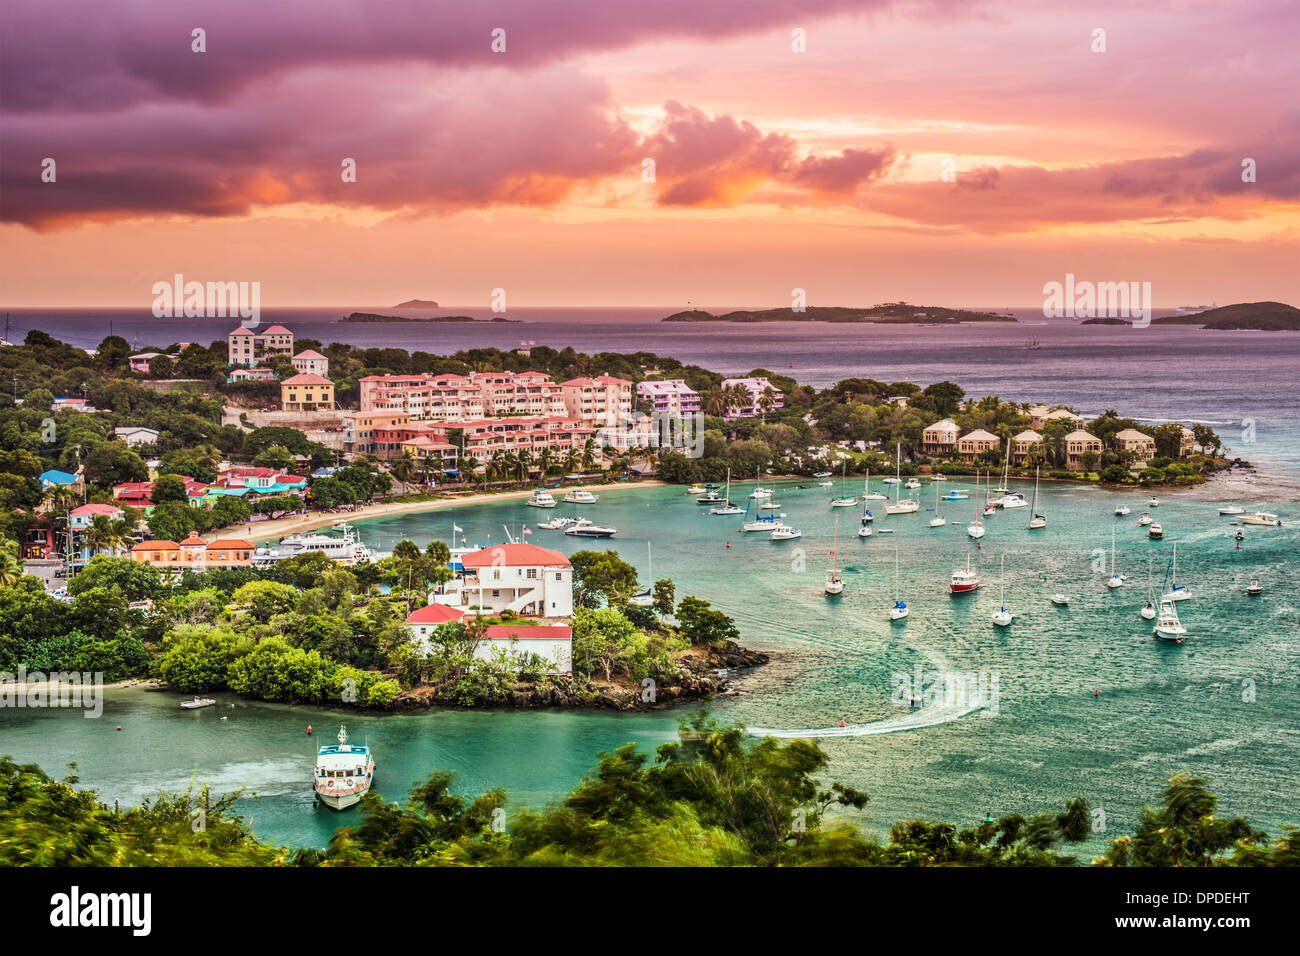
[{"x": 712, "y": 798}]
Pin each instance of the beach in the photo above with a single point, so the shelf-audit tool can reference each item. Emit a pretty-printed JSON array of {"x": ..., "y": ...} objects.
[{"x": 259, "y": 531}]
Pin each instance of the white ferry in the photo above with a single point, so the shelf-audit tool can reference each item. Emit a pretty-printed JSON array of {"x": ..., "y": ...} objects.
[
  {"x": 346, "y": 550},
  {"x": 344, "y": 772}
]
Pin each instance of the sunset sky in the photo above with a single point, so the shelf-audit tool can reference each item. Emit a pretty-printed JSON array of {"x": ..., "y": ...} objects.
[{"x": 774, "y": 169}]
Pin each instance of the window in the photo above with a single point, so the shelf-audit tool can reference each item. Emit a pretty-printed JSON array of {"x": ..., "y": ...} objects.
[
  {"x": 557, "y": 576},
  {"x": 532, "y": 573}
]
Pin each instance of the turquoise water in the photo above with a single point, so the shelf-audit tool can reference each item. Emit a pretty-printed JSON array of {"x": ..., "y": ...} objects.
[{"x": 1161, "y": 707}]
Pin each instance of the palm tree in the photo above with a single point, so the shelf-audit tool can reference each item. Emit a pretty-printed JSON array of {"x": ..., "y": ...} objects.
[
  {"x": 715, "y": 403},
  {"x": 767, "y": 401},
  {"x": 525, "y": 459},
  {"x": 571, "y": 459},
  {"x": 404, "y": 468},
  {"x": 588, "y": 454},
  {"x": 546, "y": 461},
  {"x": 11, "y": 569}
]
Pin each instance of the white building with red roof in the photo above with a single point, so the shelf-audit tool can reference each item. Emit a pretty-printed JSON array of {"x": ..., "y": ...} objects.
[
  {"x": 523, "y": 578},
  {"x": 81, "y": 517},
  {"x": 551, "y": 641},
  {"x": 312, "y": 362},
  {"x": 246, "y": 347}
]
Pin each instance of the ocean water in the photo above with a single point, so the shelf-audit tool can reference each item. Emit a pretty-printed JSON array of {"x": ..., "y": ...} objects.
[
  {"x": 1240, "y": 383},
  {"x": 1087, "y": 701}
]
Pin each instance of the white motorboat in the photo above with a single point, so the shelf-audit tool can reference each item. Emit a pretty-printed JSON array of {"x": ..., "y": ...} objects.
[
  {"x": 1013, "y": 499},
  {"x": 1060, "y": 600},
  {"x": 1232, "y": 510},
  {"x": 581, "y": 496},
  {"x": 1154, "y": 502},
  {"x": 1168, "y": 627},
  {"x": 1156, "y": 531},
  {"x": 825, "y": 484},
  {"x": 344, "y": 772},
  {"x": 1145, "y": 519},
  {"x": 1002, "y": 617},
  {"x": 346, "y": 550},
  {"x": 937, "y": 477},
  {"x": 558, "y": 523},
  {"x": 821, "y": 474},
  {"x": 912, "y": 483},
  {"x": 1261, "y": 518},
  {"x": 696, "y": 489},
  {"x": 582, "y": 528},
  {"x": 1122, "y": 510},
  {"x": 541, "y": 499},
  {"x": 1254, "y": 588},
  {"x": 785, "y": 533},
  {"x": 200, "y": 702},
  {"x": 899, "y": 611}
]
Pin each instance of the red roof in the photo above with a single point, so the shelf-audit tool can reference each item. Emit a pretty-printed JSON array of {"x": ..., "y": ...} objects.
[
  {"x": 539, "y": 632},
  {"x": 95, "y": 509},
  {"x": 162, "y": 545},
  {"x": 434, "y": 614},
  {"x": 307, "y": 378},
  {"x": 242, "y": 331},
  {"x": 277, "y": 330},
  {"x": 514, "y": 556},
  {"x": 309, "y": 354},
  {"x": 235, "y": 543}
]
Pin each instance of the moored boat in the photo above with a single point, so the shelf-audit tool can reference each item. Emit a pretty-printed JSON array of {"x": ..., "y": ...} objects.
[
  {"x": 581, "y": 496},
  {"x": 344, "y": 772},
  {"x": 197, "y": 703},
  {"x": 541, "y": 499},
  {"x": 1261, "y": 518}
]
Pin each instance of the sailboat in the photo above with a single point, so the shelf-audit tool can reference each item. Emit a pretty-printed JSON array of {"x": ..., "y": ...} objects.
[
  {"x": 1149, "y": 609},
  {"x": 864, "y": 527},
  {"x": 727, "y": 508},
  {"x": 1115, "y": 580},
  {"x": 834, "y": 582},
  {"x": 1039, "y": 520},
  {"x": 976, "y": 528},
  {"x": 844, "y": 500},
  {"x": 1176, "y": 591},
  {"x": 995, "y": 493},
  {"x": 900, "y": 506},
  {"x": 1002, "y": 617},
  {"x": 938, "y": 521},
  {"x": 645, "y": 598},
  {"x": 899, "y": 610}
]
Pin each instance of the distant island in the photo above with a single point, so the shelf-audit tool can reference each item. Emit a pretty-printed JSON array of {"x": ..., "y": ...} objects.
[
  {"x": 1260, "y": 316},
  {"x": 889, "y": 312},
  {"x": 376, "y": 317},
  {"x": 417, "y": 304}
]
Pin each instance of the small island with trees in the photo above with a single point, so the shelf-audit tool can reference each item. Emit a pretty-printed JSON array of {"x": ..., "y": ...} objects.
[{"x": 902, "y": 313}]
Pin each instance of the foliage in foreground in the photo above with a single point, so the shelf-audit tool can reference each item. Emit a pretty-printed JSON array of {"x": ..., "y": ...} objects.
[{"x": 712, "y": 798}]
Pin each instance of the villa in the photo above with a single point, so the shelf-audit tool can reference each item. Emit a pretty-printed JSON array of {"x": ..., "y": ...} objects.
[
  {"x": 311, "y": 362},
  {"x": 523, "y": 578},
  {"x": 553, "y": 642},
  {"x": 245, "y": 347},
  {"x": 1079, "y": 444},
  {"x": 973, "y": 444},
  {"x": 1139, "y": 443},
  {"x": 940, "y": 438},
  {"x": 1023, "y": 444},
  {"x": 307, "y": 392}
]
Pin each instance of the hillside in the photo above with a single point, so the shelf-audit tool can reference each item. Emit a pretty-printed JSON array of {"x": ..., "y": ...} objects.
[
  {"x": 1265, "y": 316},
  {"x": 889, "y": 312},
  {"x": 417, "y": 304}
]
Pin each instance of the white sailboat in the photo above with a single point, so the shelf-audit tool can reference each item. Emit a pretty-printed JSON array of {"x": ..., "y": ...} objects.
[
  {"x": 646, "y": 598},
  {"x": 1176, "y": 591},
  {"x": 844, "y": 500},
  {"x": 864, "y": 526},
  {"x": 899, "y": 611},
  {"x": 976, "y": 528},
  {"x": 938, "y": 521},
  {"x": 1039, "y": 520},
  {"x": 1115, "y": 580},
  {"x": 900, "y": 506},
  {"x": 1002, "y": 617},
  {"x": 868, "y": 494},
  {"x": 834, "y": 581},
  {"x": 727, "y": 508},
  {"x": 1149, "y": 609}
]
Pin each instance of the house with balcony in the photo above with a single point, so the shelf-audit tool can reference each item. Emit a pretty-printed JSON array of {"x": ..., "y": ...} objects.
[
  {"x": 246, "y": 347},
  {"x": 974, "y": 444},
  {"x": 1023, "y": 444},
  {"x": 523, "y": 578},
  {"x": 671, "y": 397},
  {"x": 940, "y": 438},
  {"x": 761, "y": 393},
  {"x": 311, "y": 362},
  {"x": 597, "y": 402},
  {"x": 1078, "y": 445},
  {"x": 1140, "y": 444}
]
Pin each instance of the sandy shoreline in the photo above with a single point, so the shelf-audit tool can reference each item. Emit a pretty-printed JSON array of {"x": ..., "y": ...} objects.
[{"x": 278, "y": 528}]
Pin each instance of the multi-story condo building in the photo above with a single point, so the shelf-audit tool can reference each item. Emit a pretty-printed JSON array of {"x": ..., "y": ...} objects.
[
  {"x": 670, "y": 397},
  {"x": 457, "y": 397},
  {"x": 598, "y": 402},
  {"x": 757, "y": 405},
  {"x": 245, "y": 347}
]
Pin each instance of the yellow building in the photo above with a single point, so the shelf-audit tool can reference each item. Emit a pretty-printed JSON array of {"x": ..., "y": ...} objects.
[{"x": 307, "y": 393}]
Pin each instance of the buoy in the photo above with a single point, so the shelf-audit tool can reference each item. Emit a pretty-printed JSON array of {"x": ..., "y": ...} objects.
[
  {"x": 1095, "y": 692},
  {"x": 119, "y": 726},
  {"x": 841, "y": 723},
  {"x": 978, "y": 545},
  {"x": 309, "y": 730},
  {"x": 728, "y": 544}
]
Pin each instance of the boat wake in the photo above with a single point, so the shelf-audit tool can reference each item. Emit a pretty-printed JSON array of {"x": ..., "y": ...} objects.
[{"x": 913, "y": 720}]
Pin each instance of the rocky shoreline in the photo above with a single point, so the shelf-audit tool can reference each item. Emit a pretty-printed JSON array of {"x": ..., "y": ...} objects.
[{"x": 703, "y": 677}]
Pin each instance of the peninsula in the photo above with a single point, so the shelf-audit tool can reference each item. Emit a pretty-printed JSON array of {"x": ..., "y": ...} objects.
[
  {"x": 1257, "y": 316},
  {"x": 902, "y": 313},
  {"x": 376, "y": 317}
]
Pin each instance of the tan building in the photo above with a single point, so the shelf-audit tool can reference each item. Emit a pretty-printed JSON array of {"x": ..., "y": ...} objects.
[
  {"x": 194, "y": 553},
  {"x": 1059, "y": 414},
  {"x": 1038, "y": 415},
  {"x": 1187, "y": 443},
  {"x": 359, "y": 429},
  {"x": 598, "y": 402},
  {"x": 973, "y": 444},
  {"x": 1077, "y": 444},
  {"x": 307, "y": 393},
  {"x": 1141, "y": 444},
  {"x": 1022, "y": 444},
  {"x": 940, "y": 438}
]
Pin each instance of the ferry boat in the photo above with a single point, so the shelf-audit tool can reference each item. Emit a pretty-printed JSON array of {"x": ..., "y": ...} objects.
[
  {"x": 344, "y": 772},
  {"x": 581, "y": 496},
  {"x": 582, "y": 528},
  {"x": 541, "y": 499},
  {"x": 346, "y": 550}
]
